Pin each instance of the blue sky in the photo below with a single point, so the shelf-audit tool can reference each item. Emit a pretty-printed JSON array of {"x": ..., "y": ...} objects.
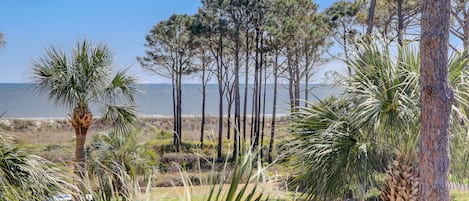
[{"x": 31, "y": 26}]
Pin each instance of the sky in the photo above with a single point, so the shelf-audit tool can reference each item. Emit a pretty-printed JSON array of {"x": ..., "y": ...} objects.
[{"x": 31, "y": 26}]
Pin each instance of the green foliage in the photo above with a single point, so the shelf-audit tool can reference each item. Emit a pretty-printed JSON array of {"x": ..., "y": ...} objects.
[
  {"x": 115, "y": 158},
  {"x": 86, "y": 77},
  {"x": 344, "y": 142},
  {"x": 459, "y": 195},
  {"x": 29, "y": 177},
  {"x": 240, "y": 176},
  {"x": 335, "y": 156},
  {"x": 244, "y": 167}
]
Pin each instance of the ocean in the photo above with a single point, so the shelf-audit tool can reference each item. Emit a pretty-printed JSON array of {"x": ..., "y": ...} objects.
[{"x": 19, "y": 100}]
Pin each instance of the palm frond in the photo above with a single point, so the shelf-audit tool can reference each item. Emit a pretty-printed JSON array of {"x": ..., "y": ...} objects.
[
  {"x": 334, "y": 157},
  {"x": 123, "y": 118},
  {"x": 29, "y": 177},
  {"x": 121, "y": 88},
  {"x": 53, "y": 76}
]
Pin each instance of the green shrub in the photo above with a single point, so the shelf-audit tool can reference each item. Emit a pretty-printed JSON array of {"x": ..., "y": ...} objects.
[
  {"x": 459, "y": 196},
  {"x": 25, "y": 176}
]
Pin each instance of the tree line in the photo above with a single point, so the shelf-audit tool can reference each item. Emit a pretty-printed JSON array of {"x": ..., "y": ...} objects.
[{"x": 235, "y": 42}]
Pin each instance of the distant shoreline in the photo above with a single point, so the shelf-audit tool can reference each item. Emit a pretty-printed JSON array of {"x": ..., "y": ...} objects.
[{"x": 156, "y": 116}]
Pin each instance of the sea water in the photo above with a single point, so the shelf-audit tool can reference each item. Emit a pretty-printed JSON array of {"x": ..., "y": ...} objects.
[{"x": 20, "y": 100}]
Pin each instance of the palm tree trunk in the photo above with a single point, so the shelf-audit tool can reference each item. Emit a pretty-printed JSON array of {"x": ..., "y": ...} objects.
[
  {"x": 81, "y": 121},
  {"x": 80, "y": 150}
]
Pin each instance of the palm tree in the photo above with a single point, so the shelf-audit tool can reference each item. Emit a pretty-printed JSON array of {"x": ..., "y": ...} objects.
[
  {"x": 373, "y": 126},
  {"x": 82, "y": 78}
]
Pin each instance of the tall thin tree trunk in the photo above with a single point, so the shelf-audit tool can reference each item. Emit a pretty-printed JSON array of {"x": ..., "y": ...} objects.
[
  {"x": 307, "y": 63},
  {"x": 202, "y": 122},
  {"x": 220, "y": 105},
  {"x": 466, "y": 31},
  {"x": 254, "y": 94},
  {"x": 400, "y": 23},
  {"x": 290, "y": 81},
  {"x": 436, "y": 101},
  {"x": 344, "y": 40},
  {"x": 371, "y": 14},
  {"x": 173, "y": 88},
  {"x": 228, "y": 121},
  {"x": 237, "y": 111},
  {"x": 263, "y": 108},
  {"x": 179, "y": 106},
  {"x": 297, "y": 82},
  {"x": 246, "y": 88},
  {"x": 274, "y": 109}
]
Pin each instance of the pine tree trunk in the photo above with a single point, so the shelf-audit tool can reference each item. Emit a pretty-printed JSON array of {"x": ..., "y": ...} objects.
[
  {"x": 246, "y": 88},
  {"x": 274, "y": 110},
  {"x": 344, "y": 40},
  {"x": 237, "y": 101},
  {"x": 228, "y": 121},
  {"x": 307, "y": 63},
  {"x": 436, "y": 101},
  {"x": 173, "y": 86},
  {"x": 255, "y": 93},
  {"x": 297, "y": 81},
  {"x": 220, "y": 104},
  {"x": 259, "y": 94},
  {"x": 371, "y": 14},
  {"x": 179, "y": 106},
  {"x": 263, "y": 111},
  {"x": 202, "y": 122},
  {"x": 466, "y": 31},
  {"x": 290, "y": 81},
  {"x": 400, "y": 23}
]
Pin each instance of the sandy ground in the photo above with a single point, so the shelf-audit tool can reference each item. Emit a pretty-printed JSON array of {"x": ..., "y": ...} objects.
[{"x": 58, "y": 130}]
